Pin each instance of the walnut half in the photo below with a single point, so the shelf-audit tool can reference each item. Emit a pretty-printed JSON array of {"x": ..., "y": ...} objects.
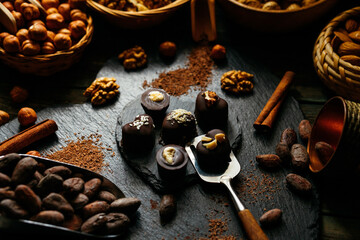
[
  {"x": 101, "y": 90},
  {"x": 133, "y": 58},
  {"x": 237, "y": 82}
]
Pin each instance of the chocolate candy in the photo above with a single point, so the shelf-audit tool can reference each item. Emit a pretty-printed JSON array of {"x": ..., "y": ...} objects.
[
  {"x": 211, "y": 111},
  {"x": 178, "y": 127},
  {"x": 155, "y": 102},
  {"x": 171, "y": 161},
  {"x": 138, "y": 134},
  {"x": 213, "y": 151}
]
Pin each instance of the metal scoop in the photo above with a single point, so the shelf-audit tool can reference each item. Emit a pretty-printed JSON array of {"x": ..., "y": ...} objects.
[{"x": 251, "y": 227}]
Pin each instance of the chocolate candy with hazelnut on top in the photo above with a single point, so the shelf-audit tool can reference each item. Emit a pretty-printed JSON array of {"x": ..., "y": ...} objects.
[
  {"x": 171, "y": 162},
  {"x": 155, "y": 102}
]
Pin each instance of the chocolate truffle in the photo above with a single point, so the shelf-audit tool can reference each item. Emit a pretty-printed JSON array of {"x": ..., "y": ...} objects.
[
  {"x": 171, "y": 161},
  {"x": 211, "y": 111},
  {"x": 213, "y": 151},
  {"x": 138, "y": 135},
  {"x": 178, "y": 127},
  {"x": 155, "y": 102}
]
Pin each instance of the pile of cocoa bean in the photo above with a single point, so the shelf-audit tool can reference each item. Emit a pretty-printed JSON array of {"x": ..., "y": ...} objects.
[{"x": 54, "y": 194}]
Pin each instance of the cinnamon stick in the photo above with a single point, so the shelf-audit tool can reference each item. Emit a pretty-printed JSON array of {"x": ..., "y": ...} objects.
[
  {"x": 28, "y": 136},
  {"x": 268, "y": 114}
]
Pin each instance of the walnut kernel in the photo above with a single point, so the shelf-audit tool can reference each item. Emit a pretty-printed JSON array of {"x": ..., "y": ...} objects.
[
  {"x": 133, "y": 58},
  {"x": 102, "y": 90},
  {"x": 237, "y": 81},
  {"x": 27, "y": 116}
]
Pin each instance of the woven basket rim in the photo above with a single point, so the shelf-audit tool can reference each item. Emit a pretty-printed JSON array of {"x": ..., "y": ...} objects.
[
  {"x": 77, "y": 47},
  {"x": 128, "y": 14},
  {"x": 284, "y": 11}
]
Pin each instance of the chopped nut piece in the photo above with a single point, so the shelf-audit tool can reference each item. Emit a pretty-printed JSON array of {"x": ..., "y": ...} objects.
[
  {"x": 211, "y": 145},
  {"x": 237, "y": 81},
  {"x": 133, "y": 58},
  {"x": 168, "y": 154},
  {"x": 220, "y": 137},
  {"x": 101, "y": 90},
  {"x": 210, "y": 98},
  {"x": 206, "y": 139},
  {"x": 156, "y": 96}
]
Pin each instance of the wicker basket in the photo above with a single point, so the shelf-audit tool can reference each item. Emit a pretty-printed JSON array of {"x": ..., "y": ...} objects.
[
  {"x": 136, "y": 20},
  {"x": 48, "y": 64},
  {"x": 340, "y": 76}
]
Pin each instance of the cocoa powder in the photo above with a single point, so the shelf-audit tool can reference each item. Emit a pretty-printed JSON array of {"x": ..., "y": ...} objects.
[{"x": 196, "y": 73}]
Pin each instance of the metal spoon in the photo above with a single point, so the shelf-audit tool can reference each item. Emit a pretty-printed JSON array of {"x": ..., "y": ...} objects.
[{"x": 252, "y": 228}]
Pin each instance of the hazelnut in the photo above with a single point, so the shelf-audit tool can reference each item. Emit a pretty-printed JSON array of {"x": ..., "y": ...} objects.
[
  {"x": 2, "y": 36},
  {"x": 76, "y": 14},
  {"x": 36, "y": 21},
  {"x": 8, "y": 5},
  {"x": 48, "y": 48},
  {"x": 29, "y": 11},
  {"x": 30, "y": 47},
  {"x": 55, "y": 21},
  {"x": 27, "y": 116},
  {"x": 50, "y": 36},
  {"x": 64, "y": 9},
  {"x": 19, "y": 94},
  {"x": 34, "y": 153},
  {"x": 51, "y": 10},
  {"x": 22, "y": 35},
  {"x": 218, "y": 52},
  {"x": 77, "y": 29},
  {"x": 50, "y": 4},
  {"x": 37, "y": 32},
  {"x": 4, "y": 117},
  {"x": 271, "y": 5},
  {"x": 64, "y": 31},
  {"x": 11, "y": 44},
  {"x": 17, "y": 4},
  {"x": 62, "y": 41},
  {"x": 167, "y": 49},
  {"x": 20, "y": 22}
]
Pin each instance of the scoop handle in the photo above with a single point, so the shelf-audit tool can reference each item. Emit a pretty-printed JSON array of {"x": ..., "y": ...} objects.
[{"x": 252, "y": 228}]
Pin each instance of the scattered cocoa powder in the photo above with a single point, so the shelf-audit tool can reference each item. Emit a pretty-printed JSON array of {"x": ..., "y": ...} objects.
[
  {"x": 85, "y": 152},
  {"x": 197, "y": 73}
]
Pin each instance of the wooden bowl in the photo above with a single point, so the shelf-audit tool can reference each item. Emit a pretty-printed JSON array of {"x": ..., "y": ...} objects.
[
  {"x": 136, "y": 20},
  {"x": 275, "y": 20}
]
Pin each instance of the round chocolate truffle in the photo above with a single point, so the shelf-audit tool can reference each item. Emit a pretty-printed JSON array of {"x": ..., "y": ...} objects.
[
  {"x": 178, "y": 127},
  {"x": 213, "y": 151},
  {"x": 155, "y": 102},
  {"x": 211, "y": 111},
  {"x": 172, "y": 161},
  {"x": 139, "y": 134}
]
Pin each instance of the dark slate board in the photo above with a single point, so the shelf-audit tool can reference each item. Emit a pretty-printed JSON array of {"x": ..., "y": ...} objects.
[{"x": 198, "y": 202}]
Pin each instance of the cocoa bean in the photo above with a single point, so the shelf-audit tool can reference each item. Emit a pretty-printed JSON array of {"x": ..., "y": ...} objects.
[
  {"x": 269, "y": 160},
  {"x": 271, "y": 217},
  {"x": 91, "y": 187},
  {"x": 324, "y": 151},
  {"x": 299, "y": 157},
  {"x": 283, "y": 151},
  {"x": 127, "y": 206},
  {"x": 94, "y": 224},
  {"x": 79, "y": 201},
  {"x": 106, "y": 196},
  {"x": 305, "y": 130},
  {"x": 8, "y": 162},
  {"x": 62, "y": 171},
  {"x": 12, "y": 209},
  {"x": 288, "y": 137},
  {"x": 50, "y": 183},
  {"x": 117, "y": 223},
  {"x": 74, "y": 223},
  {"x": 55, "y": 201},
  {"x": 298, "y": 183},
  {"x": 6, "y": 192},
  {"x": 50, "y": 217},
  {"x": 4, "y": 180},
  {"x": 94, "y": 208},
  {"x": 73, "y": 186},
  {"x": 167, "y": 208},
  {"x": 24, "y": 170},
  {"x": 27, "y": 198}
]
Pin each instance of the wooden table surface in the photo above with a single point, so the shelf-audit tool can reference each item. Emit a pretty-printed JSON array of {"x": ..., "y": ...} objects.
[{"x": 340, "y": 211}]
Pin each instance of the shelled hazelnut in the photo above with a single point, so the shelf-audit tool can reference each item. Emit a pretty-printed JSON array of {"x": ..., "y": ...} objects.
[
  {"x": 218, "y": 52},
  {"x": 2, "y": 37},
  {"x": 11, "y": 44},
  {"x": 22, "y": 35},
  {"x": 167, "y": 49},
  {"x": 27, "y": 116},
  {"x": 30, "y": 47},
  {"x": 37, "y": 32},
  {"x": 62, "y": 41},
  {"x": 8, "y": 5},
  {"x": 288, "y": 5},
  {"x": 17, "y": 4},
  {"x": 50, "y": 36},
  {"x": 29, "y": 11},
  {"x": 36, "y": 21},
  {"x": 48, "y": 48},
  {"x": 19, "y": 94},
  {"x": 64, "y": 9},
  {"x": 55, "y": 21},
  {"x": 19, "y": 19},
  {"x": 51, "y": 10},
  {"x": 50, "y": 3},
  {"x": 77, "y": 29},
  {"x": 4, "y": 117},
  {"x": 76, "y": 14}
]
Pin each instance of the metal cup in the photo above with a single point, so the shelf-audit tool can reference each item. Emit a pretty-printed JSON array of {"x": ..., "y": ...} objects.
[{"x": 338, "y": 124}]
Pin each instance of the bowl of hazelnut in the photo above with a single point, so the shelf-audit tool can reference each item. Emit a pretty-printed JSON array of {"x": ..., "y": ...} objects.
[
  {"x": 135, "y": 14},
  {"x": 336, "y": 54},
  {"x": 46, "y": 37},
  {"x": 275, "y": 16}
]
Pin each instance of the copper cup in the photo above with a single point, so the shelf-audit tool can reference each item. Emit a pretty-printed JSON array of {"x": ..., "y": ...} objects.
[{"x": 338, "y": 124}]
